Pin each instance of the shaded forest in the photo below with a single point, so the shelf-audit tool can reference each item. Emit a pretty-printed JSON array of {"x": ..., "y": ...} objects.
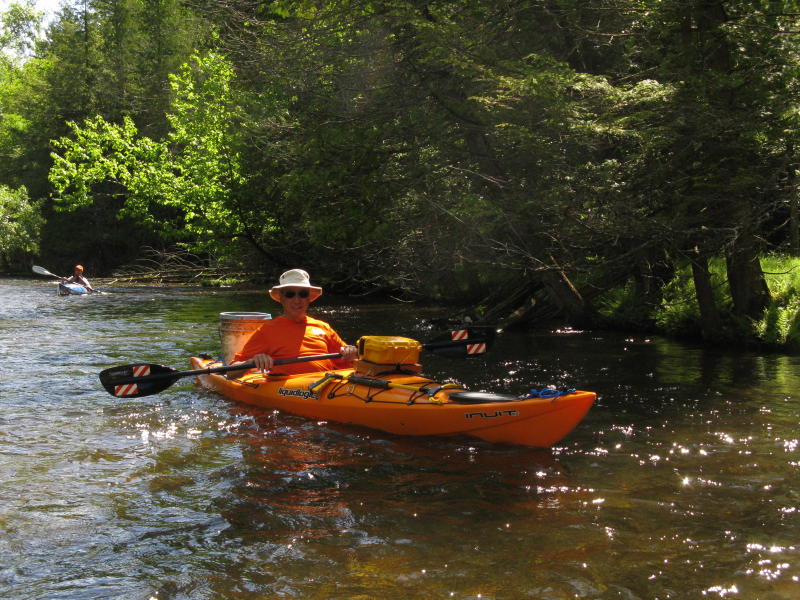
[{"x": 586, "y": 160}]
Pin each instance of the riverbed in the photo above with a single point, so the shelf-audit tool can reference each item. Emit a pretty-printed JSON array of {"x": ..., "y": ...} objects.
[{"x": 683, "y": 481}]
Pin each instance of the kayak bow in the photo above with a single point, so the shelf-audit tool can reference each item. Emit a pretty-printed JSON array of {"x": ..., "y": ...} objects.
[{"x": 68, "y": 289}]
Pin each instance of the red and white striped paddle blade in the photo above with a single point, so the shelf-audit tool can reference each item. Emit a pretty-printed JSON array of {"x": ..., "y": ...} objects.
[
  {"x": 132, "y": 381},
  {"x": 132, "y": 389},
  {"x": 463, "y": 335}
]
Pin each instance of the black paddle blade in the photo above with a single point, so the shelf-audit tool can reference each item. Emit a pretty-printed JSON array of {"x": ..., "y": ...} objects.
[
  {"x": 463, "y": 343},
  {"x": 134, "y": 381}
]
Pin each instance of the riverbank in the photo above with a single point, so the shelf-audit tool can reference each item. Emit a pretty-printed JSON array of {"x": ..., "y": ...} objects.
[
  {"x": 672, "y": 311},
  {"x": 676, "y": 313}
]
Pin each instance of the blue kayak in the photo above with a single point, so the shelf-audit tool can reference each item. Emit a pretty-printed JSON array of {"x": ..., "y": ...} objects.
[{"x": 67, "y": 289}]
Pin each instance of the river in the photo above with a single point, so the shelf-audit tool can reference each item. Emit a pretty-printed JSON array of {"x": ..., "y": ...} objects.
[{"x": 683, "y": 481}]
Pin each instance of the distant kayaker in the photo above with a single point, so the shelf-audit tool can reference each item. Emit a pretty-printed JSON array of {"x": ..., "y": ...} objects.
[
  {"x": 294, "y": 333},
  {"x": 77, "y": 277}
]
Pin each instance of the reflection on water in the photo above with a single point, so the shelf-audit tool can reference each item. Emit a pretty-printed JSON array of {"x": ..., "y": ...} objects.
[{"x": 681, "y": 482}]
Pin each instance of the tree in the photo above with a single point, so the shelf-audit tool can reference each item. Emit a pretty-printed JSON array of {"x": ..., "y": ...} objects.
[
  {"x": 20, "y": 24},
  {"x": 20, "y": 223},
  {"x": 186, "y": 186},
  {"x": 729, "y": 126}
]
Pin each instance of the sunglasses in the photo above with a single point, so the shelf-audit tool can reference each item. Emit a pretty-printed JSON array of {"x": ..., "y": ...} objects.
[{"x": 291, "y": 293}]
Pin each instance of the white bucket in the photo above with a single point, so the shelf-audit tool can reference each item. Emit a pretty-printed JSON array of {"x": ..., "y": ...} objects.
[{"x": 235, "y": 328}]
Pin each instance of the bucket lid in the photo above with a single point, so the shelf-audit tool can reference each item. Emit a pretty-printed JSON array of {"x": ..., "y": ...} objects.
[{"x": 245, "y": 316}]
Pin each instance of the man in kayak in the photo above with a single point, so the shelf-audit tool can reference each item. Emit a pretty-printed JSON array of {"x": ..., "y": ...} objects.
[
  {"x": 77, "y": 277},
  {"x": 294, "y": 333}
]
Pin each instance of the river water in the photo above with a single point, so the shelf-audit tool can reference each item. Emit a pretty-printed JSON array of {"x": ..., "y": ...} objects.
[{"x": 682, "y": 481}]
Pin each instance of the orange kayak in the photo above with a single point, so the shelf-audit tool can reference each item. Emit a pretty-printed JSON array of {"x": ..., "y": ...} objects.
[{"x": 407, "y": 404}]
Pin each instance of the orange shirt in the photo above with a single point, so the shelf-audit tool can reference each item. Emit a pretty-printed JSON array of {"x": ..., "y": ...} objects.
[{"x": 284, "y": 338}]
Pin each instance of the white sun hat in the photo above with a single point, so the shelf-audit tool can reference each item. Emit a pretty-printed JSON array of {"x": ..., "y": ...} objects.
[{"x": 295, "y": 278}]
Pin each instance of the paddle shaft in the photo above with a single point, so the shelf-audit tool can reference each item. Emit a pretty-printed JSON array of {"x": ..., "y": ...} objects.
[{"x": 451, "y": 343}]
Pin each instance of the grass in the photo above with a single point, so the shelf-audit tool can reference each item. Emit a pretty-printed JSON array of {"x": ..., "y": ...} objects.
[
  {"x": 220, "y": 282},
  {"x": 780, "y": 324}
]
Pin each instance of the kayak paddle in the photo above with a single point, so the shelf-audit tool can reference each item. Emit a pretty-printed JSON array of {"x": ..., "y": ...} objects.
[
  {"x": 42, "y": 271},
  {"x": 145, "y": 379}
]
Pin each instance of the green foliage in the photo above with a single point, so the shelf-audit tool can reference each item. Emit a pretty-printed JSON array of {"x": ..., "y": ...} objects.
[
  {"x": 783, "y": 276},
  {"x": 678, "y": 315},
  {"x": 220, "y": 282},
  {"x": 99, "y": 58},
  {"x": 624, "y": 308},
  {"x": 779, "y": 327},
  {"x": 678, "y": 312},
  {"x": 20, "y": 225},
  {"x": 434, "y": 149},
  {"x": 19, "y": 27},
  {"x": 184, "y": 185},
  {"x": 14, "y": 122}
]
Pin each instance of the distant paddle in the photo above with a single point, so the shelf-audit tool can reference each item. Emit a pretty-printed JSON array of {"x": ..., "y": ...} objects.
[
  {"x": 42, "y": 271},
  {"x": 145, "y": 379}
]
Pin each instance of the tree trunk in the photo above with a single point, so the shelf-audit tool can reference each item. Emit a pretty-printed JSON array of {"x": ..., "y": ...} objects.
[
  {"x": 794, "y": 214},
  {"x": 564, "y": 295},
  {"x": 506, "y": 300},
  {"x": 791, "y": 176},
  {"x": 746, "y": 279},
  {"x": 710, "y": 321}
]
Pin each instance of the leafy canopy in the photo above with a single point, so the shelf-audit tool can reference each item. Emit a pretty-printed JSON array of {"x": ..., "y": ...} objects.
[
  {"x": 20, "y": 225},
  {"x": 184, "y": 185}
]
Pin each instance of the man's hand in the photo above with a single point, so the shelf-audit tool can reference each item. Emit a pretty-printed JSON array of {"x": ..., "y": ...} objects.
[
  {"x": 349, "y": 353},
  {"x": 263, "y": 362}
]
